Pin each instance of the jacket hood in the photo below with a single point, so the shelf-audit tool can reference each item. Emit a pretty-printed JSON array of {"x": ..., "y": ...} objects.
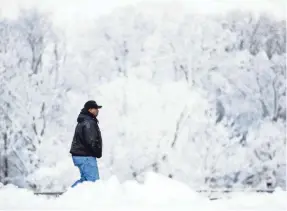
[{"x": 85, "y": 115}]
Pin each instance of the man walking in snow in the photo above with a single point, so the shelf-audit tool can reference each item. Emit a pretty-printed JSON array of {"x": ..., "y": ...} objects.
[{"x": 87, "y": 143}]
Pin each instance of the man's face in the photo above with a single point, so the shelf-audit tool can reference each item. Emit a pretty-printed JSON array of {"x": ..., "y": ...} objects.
[{"x": 94, "y": 111}]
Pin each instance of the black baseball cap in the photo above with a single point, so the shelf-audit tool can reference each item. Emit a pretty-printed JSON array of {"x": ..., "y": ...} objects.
[{"x": 92, "y": 104}]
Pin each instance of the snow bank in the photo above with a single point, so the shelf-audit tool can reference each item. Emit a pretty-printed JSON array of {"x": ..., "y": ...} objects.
[{"x": 157, "y": 193}]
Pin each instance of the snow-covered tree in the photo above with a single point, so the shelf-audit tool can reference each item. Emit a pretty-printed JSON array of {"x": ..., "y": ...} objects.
[
  {"x": 191, "y": 96},
  {"x": 31, "y": 93}
]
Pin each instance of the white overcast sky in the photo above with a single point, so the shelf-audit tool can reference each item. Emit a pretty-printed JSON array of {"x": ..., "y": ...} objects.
[
  {"x": 63, "y": 9},
  {"x": 67, "y": 13}
]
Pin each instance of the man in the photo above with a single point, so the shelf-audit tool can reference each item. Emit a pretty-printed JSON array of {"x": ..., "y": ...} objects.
[{"x": 87, "y": 143}]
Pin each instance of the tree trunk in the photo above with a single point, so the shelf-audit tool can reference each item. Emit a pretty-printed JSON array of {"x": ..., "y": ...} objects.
[{"x": 5, "y": 170}]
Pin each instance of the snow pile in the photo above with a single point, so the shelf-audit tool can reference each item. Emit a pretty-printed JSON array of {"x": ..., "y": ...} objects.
[{"x": 157, "y": 193}]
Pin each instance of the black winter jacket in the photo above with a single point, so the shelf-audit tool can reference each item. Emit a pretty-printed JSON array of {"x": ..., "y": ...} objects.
[{"x": 87, "y": 140}]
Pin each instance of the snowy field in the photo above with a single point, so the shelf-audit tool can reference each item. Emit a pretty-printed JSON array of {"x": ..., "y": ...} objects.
[{"x": 157, "y": 193}]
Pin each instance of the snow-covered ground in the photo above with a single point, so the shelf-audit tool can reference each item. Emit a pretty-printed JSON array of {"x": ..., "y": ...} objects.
[{"x": 157, "y": 193}]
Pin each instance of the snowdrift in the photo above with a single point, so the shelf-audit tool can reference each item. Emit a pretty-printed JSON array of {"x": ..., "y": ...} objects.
[{"x": 157, "y": 193}]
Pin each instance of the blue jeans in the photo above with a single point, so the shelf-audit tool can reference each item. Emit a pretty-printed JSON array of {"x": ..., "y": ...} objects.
[{"x": 88, "y": 169}]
